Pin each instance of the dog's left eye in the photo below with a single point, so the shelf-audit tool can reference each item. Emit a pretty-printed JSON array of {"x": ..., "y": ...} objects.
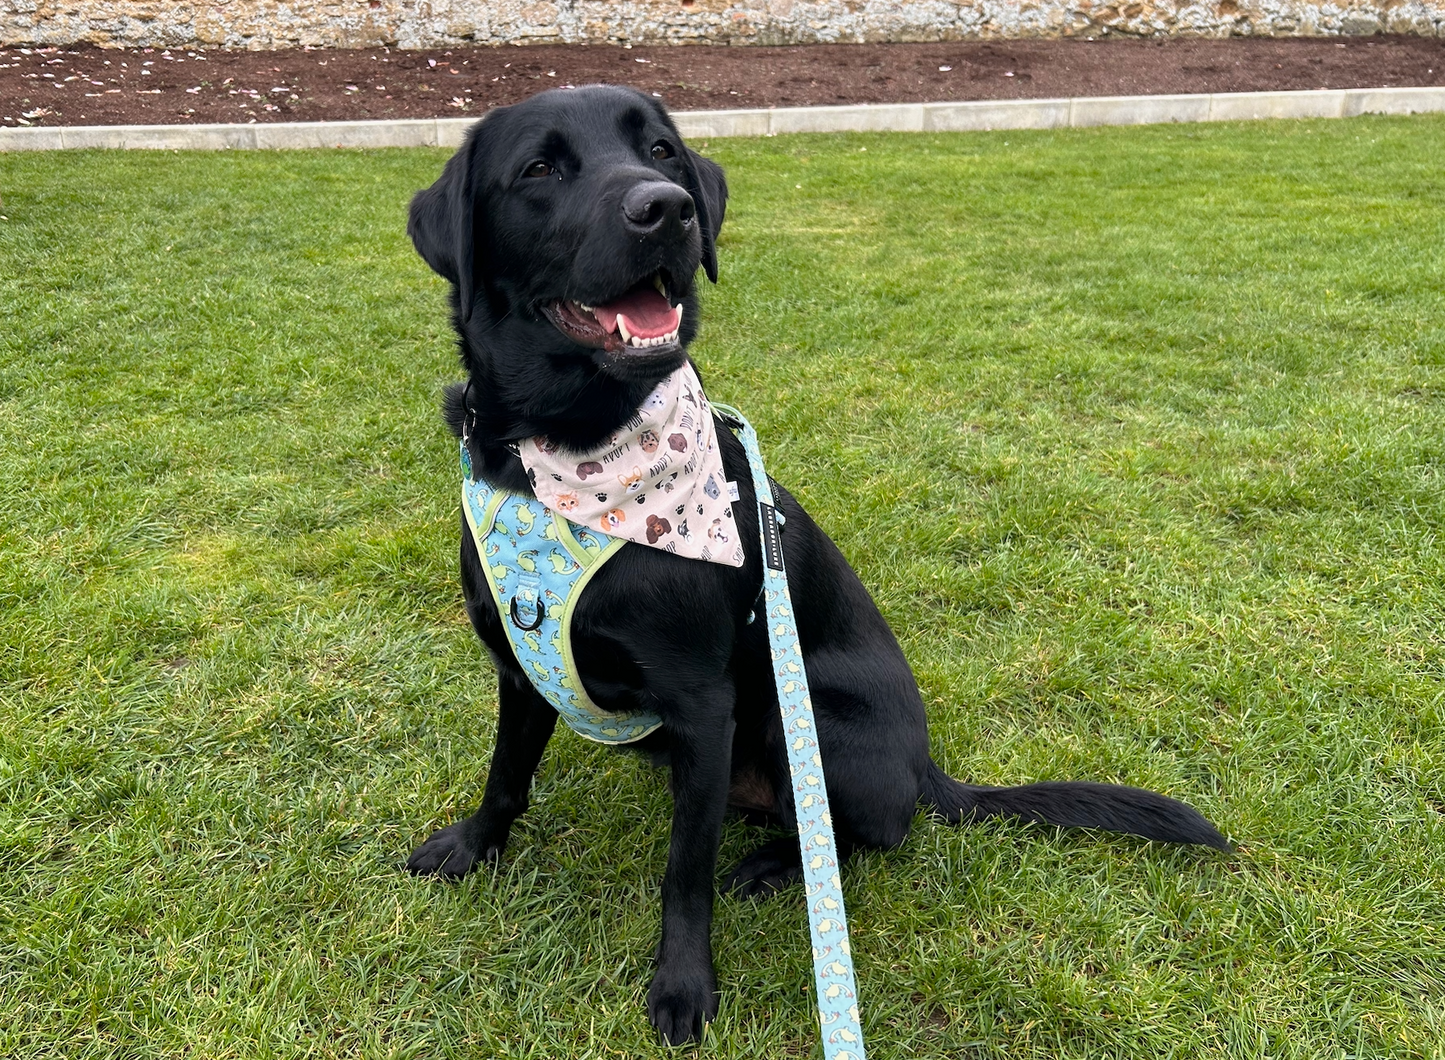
[
  {"x": 539, "y": 169},
  {"x": 661, "y": 151}
]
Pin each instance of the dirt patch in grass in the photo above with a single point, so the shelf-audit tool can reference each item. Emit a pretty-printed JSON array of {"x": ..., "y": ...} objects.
[{"x": 84, "y": 85}]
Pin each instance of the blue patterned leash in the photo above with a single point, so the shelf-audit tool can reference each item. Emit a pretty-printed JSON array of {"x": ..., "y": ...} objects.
[{"x": 832, "y": 957}]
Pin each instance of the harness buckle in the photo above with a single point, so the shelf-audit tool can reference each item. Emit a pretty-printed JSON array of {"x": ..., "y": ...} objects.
[{"x": 730, "y": 420}]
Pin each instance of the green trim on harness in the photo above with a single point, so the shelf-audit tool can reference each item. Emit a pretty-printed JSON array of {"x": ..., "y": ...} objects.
[{"x": 536, "y": 565}]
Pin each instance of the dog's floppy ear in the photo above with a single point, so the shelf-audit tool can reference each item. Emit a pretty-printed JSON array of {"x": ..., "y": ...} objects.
[
  {"x": 442, "y": 223},
  {"x": 709, "y": 190}
]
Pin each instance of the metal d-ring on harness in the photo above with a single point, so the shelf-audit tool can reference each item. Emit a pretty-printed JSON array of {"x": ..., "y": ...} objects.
[
  {"x": 539, "y": 613},
  {"x": 832, "y": 958}
]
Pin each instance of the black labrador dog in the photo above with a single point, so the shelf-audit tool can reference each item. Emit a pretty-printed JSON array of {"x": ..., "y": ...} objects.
[{"x": 574, "y": 199}]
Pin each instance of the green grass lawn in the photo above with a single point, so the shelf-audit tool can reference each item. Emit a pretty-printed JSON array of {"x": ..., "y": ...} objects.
[{"x": 1138, "y": 435}]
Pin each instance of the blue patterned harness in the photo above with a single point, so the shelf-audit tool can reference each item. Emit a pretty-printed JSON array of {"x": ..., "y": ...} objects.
[{"x": 536, "y": 563}]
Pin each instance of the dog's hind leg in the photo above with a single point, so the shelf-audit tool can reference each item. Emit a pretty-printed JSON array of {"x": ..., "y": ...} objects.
[
  {"x": 1073, "y": 804},
  {"x": 767, "y": 870},
  {"x": 874, "y": 751},
  {"x": 524, "y": 725}
]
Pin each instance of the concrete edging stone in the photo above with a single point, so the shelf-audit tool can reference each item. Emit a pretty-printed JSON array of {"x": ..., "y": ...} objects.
[{"x": 971, "y": 116}]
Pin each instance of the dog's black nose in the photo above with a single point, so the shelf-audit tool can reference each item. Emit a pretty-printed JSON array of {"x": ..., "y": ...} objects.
[{"x": 658, "y": 208}]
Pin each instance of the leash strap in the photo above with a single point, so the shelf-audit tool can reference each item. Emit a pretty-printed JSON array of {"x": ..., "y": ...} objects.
[{"x": 832, "y": 957}]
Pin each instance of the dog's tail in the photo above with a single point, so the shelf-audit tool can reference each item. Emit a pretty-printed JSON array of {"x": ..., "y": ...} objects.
[{"x": 1073, "y": 804}]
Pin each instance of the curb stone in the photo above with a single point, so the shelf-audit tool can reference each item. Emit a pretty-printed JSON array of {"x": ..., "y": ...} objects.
[{"x": 971, "y": 116}]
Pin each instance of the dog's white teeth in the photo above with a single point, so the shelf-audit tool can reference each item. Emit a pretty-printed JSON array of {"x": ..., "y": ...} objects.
[
  {"x": 584, "y": 308},
  {"x": 638, "y": 342},
  {"x": 657, "y": 282},
  {"x": 622, "y": 328}
]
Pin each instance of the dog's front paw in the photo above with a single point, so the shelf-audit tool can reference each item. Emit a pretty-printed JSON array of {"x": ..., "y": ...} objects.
[
  {"x": 451, "y": 853},
  {"x": 679, "y": 1003}
]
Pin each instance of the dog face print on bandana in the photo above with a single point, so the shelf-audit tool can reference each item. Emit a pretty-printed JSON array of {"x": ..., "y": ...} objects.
[{"x": 658, "y": 481}]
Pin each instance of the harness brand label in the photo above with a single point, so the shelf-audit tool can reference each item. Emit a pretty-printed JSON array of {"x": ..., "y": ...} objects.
[{"x": 772, "y": 539}]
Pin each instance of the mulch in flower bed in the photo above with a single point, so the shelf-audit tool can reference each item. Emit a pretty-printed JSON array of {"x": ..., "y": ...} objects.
[{"x": 85, "y": 85}]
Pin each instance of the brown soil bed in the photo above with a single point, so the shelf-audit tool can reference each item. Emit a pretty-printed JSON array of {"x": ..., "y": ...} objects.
[{"x": 84, "y": 85}]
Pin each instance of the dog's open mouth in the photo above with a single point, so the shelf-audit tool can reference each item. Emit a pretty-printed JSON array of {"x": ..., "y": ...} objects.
[{"x": 641, "y": 318}]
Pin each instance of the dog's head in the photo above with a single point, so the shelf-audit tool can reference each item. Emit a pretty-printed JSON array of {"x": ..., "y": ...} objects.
[{"x": 572, "y": 226}]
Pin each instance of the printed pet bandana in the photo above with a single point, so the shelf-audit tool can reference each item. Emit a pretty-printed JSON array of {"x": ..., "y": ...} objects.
[{"x": 658, "y": 481}]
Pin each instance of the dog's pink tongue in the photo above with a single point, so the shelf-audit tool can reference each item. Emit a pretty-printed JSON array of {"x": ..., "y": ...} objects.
[{"x": 646, "y": 312}]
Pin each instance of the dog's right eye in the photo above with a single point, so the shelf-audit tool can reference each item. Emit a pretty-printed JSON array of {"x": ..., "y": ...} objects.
[{"x": 538, "y": 169}]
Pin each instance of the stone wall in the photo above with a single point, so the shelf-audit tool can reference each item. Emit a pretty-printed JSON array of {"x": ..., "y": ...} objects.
[{"x": 261, "y": 24}]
